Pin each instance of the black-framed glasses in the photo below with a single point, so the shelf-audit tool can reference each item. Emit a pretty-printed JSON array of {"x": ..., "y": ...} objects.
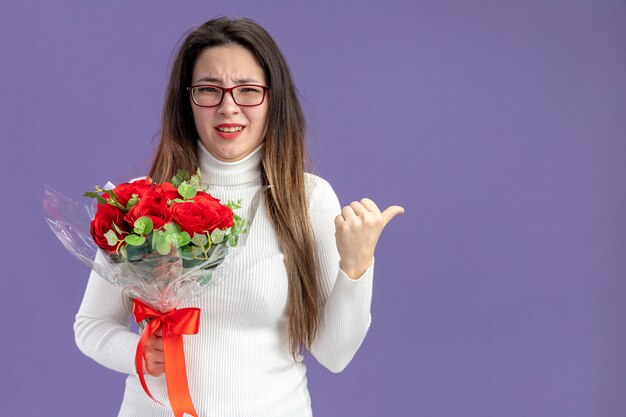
[{"x": 246, "y": 95}]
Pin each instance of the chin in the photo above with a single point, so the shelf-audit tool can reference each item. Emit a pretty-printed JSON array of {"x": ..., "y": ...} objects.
[{"x": 230, "y": 153}]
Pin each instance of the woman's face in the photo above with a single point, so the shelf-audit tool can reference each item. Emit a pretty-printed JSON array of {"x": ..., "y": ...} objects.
[{"x": 228, "y": 66}]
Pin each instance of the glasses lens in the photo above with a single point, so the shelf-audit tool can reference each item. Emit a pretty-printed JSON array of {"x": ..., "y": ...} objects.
[
  {"x": 207, "y": 95},
  {"x": 248, "y": 95}
]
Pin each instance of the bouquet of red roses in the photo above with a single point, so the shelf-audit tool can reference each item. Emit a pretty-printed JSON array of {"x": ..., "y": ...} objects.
[{"x": 160, "y": 243}]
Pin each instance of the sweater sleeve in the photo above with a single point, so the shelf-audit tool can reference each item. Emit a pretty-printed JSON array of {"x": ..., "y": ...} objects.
[
  {"x": 346, "y": 303},
  {"x": 101, "y": 326}
]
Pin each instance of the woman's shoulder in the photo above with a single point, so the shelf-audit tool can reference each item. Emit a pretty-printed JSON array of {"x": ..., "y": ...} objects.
[
  {"x": 318, "y": 189},
  {"x": 314, "y": 183}
]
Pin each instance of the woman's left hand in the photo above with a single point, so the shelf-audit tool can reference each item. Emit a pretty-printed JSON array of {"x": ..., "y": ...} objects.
[{"x": 357, "y": 230}]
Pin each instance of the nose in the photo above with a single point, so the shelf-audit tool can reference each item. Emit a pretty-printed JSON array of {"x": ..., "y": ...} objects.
[{"x": 228, "y": 105}]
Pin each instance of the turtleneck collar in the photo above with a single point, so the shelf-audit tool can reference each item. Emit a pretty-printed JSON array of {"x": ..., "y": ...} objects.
[{"x": 216, "y": 172}]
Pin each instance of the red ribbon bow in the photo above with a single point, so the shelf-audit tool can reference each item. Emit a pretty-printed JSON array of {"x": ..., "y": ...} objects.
[{"x": 174, "y": 324}]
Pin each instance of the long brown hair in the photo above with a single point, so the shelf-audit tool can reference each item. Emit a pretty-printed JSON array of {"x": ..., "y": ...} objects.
[{"x": 284, "y": 154}]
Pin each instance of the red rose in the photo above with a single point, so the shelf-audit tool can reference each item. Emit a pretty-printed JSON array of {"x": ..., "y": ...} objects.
[
  {"x": 152, "y": 204},
  {"x": 106, "y": 215},
  {"x": 168, "y": 191},
  {"x": 220, "y": 210},
  {"x": 202, "y": 215},
  {"x": 126, "y": 190}
]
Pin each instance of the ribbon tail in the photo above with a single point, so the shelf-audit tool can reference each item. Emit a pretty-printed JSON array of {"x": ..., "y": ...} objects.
[{"x": 176, "y": 375}]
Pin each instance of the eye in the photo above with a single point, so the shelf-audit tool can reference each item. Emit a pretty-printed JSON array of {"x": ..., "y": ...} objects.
[
  {"x": 249, "y": 89},
  {"x": 207, "y": 89}
]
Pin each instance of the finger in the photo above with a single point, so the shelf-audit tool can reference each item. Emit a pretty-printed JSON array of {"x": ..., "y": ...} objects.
[
  {"x": 152, "y": 362},
  {"x": 154, "y": 343},
  {"x": 152, "y": 352},
  {"x": 153, "y": 368},
  {"x": 156, "y": 370},
  {"x": 390, "y": 213},
  {"x": 358, "y": 208},
  {"x": 348, "y": 213},
  {"x": 370, "y": 205}
]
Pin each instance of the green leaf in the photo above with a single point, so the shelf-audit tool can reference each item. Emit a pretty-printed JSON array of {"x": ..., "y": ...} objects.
[
  {"x": 200, "y": 240},
  {"x": 132, "y": 201},
  {"x": 112, "y": 194},
  {"x": 196, "y": 180},
  {"x": 164, "y": 248},
  {"x": 234, "y": 205},
  {"x": 232, "y": 240},
  {"x": 169, "y": 227},
  {"x": 244, "y": 226},
  {"x": 180, "y": 177},
  {"x": 184, "y": 174},
  {"x": 117, "y": 229},
  {"x": 240, "y": 225},
  {"x": 116, "y": 203},
  {"x": 135, "y": 240},
  {"x": 179, "y": 239},
  {"x": 187, "y": 190},
  {"x": 217, "y": 236},
  {"x": 111, "y": 238},
  {"x": 185, "y": 238},
  {"x": 101, "y": 199},
  {"x": 157, "y": 238},
  {"x": 143, "y": 225},
  {"x": 90, "y": 194}
]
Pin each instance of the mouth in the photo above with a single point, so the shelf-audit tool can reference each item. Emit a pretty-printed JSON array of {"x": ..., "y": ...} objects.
[{"x": 228, "y": 130}]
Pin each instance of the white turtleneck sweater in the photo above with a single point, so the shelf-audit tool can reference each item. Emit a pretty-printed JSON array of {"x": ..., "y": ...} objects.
[{"x": 239, "y": 363}]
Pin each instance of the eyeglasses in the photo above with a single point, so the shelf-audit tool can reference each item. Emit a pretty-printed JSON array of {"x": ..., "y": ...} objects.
[{"x": 246, "y": 95}]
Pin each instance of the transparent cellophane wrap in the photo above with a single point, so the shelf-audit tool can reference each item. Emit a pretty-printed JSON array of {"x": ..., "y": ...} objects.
[{"x": 162, "y": 281}]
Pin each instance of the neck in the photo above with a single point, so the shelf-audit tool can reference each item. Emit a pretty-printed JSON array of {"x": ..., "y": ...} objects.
[{"x": 217, "y": 172}]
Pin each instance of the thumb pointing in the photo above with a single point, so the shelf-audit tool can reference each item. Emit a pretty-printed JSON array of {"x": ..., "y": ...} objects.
[{"x": 390, "y": 213}]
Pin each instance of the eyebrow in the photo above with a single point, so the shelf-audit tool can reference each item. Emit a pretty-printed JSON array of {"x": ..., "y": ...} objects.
[{"x": 217, "y": 80}]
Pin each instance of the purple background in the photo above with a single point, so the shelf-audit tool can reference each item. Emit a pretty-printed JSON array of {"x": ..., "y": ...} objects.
[{"x": 498, "y": 125}]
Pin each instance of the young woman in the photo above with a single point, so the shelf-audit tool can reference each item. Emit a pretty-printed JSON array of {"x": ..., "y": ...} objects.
[{"x": 304, "y": 278}]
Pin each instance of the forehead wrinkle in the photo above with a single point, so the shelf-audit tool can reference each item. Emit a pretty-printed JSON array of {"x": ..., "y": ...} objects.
[{"x": 219, "y": 80}]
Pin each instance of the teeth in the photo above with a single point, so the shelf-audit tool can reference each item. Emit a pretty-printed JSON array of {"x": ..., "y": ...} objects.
[{"x": 230, "y": 129}]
